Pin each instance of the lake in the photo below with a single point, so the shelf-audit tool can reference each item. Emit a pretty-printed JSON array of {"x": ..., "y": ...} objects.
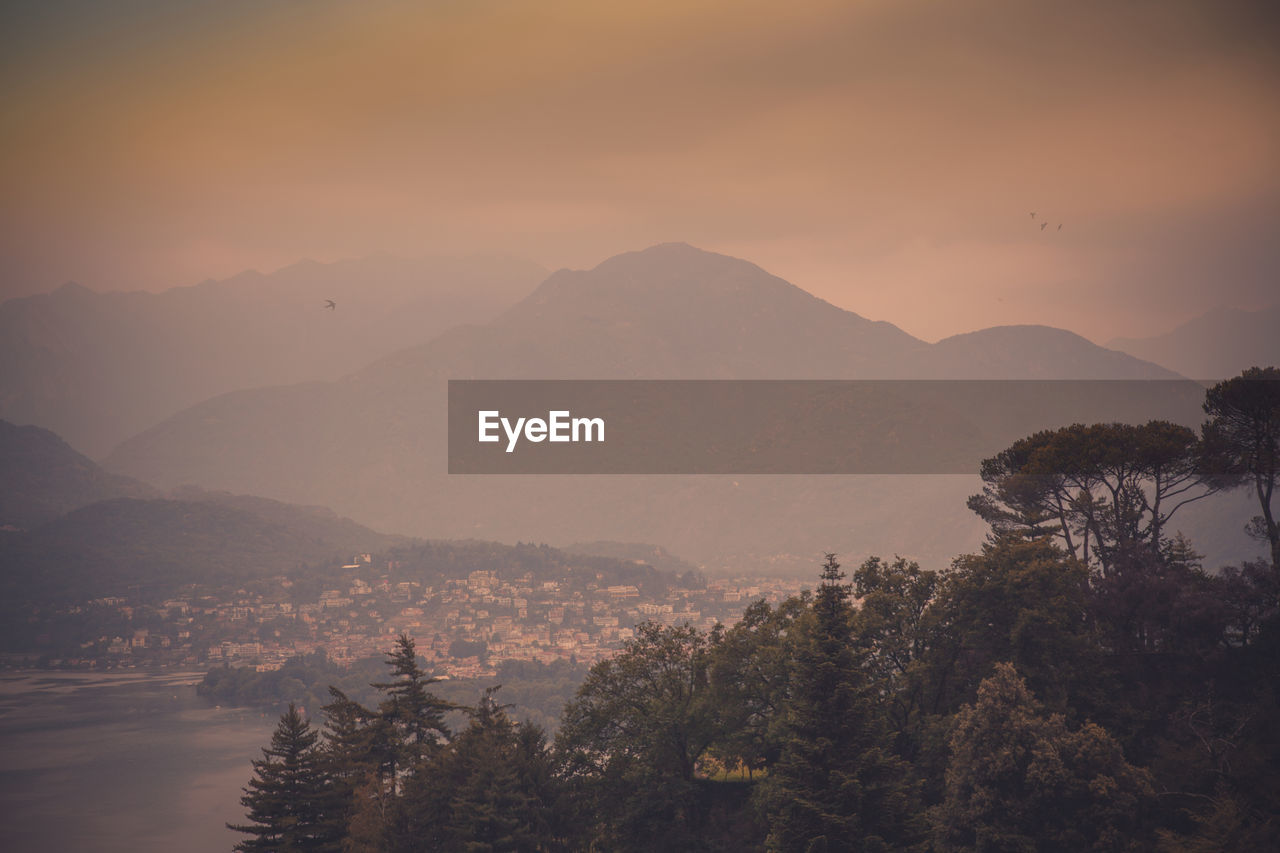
[{"x": 121, "y": 762}]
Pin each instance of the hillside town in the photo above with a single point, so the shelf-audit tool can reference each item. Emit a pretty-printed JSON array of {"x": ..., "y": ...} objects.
[{"x": 464, "y": 627}]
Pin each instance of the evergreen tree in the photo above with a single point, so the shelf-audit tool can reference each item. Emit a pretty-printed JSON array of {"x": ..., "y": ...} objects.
[
  {"x": 349, "y": 738},
  {"x": 405, "y": 733},
  {"x": 1109, "y": 491},
  {"x": 416, "y": 715},
  {"x": 354, "y": 741},
  {"x": 490, "y": 790},
  {"x": 837, "y": 786},
  {"x": 292, "y": 805}
]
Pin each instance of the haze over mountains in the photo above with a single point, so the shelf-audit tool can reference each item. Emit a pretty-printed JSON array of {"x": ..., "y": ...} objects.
[
  {"x": 372, "y": 444},
  {"x": 42, "y": 477},
  {"x": 98, "y": 367},
  {"x": 73, "y": 531},
  {"x": 1216, "y": 345}
]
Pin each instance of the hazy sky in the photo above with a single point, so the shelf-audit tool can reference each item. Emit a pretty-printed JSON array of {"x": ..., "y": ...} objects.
[{"x": 884, "y": 155}]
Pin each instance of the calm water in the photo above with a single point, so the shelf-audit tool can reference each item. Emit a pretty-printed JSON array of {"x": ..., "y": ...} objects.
[{"x": 121, "y": 762}]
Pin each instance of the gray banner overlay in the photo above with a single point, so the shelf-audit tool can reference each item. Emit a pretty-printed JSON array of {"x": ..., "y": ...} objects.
[{"x": 780, "y": 426}]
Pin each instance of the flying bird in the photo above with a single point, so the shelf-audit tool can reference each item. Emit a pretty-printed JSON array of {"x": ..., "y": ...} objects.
[
  {"x": 330, "y": 304},
  {"x": 1033, "y": 214},
  {"x": 1042, "y": 225},
  {"x": 1059, "y": 226}
]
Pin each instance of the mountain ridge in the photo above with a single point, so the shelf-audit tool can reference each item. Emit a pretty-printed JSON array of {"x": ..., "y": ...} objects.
[
  {"x": 100, "y": 367},
  {"x": 43, "y": 477},
  {"x": 1216, "y": 345},
  {"x": 372, "y": 444}
]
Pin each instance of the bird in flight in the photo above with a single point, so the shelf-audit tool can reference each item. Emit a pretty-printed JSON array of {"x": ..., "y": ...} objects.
[
  {"x": 1042, "y": 225},
  {"x": 330, "y": 304},
  {"x": 1059, "y": 226},
  {"x": 1033, "y": 214}
]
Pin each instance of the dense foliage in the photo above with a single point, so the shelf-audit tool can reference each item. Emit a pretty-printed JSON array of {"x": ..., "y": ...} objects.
[{"x": 1081, "y": 683}]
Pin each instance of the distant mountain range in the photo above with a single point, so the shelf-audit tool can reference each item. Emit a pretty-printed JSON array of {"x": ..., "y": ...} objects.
[
  {"x": 115, "y": 547},
  {"x": 73, "y": 530},
  {"x": 99, "y": 367},
  {"x": 92, "y": 534},
  {"x": 372, "y": 445},
  {"x": 1216, "y": 345},
  {"x": 42, "y": 477}
]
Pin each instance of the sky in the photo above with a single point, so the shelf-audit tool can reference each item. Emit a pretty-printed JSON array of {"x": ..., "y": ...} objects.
[{"x": 885, "y": 155}]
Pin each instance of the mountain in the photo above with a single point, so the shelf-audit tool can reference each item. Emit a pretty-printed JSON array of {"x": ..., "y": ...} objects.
[
  {"x": 159, "y": 545},
  {"x": 41, "y": 478},
  {"x": 372, "y": 445},
  {"x": 1035, "y": 352},
  {"x": 72, "y": 528},
  {"x": 98, "y": 367},
  {"x": 676, "y": 312},
  {"x": 1217, "y": 345}
]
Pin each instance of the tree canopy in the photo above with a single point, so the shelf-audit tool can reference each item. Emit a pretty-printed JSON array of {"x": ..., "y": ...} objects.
[
  {"x": 1242, "y": 437},
  {"x": 1108, "y": 491},
  {"x": 1020, "y": 779},
  {"x": 1081, "y": 682}
]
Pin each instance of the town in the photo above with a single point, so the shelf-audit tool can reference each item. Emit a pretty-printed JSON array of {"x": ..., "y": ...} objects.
[{"x": 464, "y": 627}]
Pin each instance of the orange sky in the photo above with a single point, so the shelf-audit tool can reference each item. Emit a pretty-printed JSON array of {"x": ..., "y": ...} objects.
[{"x": 884, "y": 155}]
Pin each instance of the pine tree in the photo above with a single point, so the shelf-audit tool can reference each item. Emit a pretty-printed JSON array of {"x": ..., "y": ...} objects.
[
  {"x": 354, "y": 738},
  {"x": 385, "y": 748},
  {"x": 416, "y": 715},
  {"x": 837, "y": 785},
  {"x": 349, "y": 738},
  {"x": 1242, "y": 440},
  {"x": 292, "y": 805},
  {"x": 490, "y": 789}
]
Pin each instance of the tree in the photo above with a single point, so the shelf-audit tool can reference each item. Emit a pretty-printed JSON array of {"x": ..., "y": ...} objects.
[
  {"x": 837, "y": 784},
  {"x": 356, "y": 741},
  {"x": 1020, "y": 601},
  {"x": 750, "y": 678},
  {"x": 491, "y": 789},
  {"x": 414, "y": 716},
  {"x": 370, "y": 752},
  {"x": 349, "y": 738},
  {"x": 1250, "y": 597},
  {"x": 631, "y": 740},
  {"x": 1227, "y": 824},
  {"x": 1242, "y": 438},
  {"x": 891, "y": 623},
  {"x": 1020, "y": 780},
  {"x": 1161, "y": 604},
  {"x": 1108, "y": 491},
  {"x": 292, "y": 805}
]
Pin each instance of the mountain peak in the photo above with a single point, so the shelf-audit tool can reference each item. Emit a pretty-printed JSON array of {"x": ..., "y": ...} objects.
[
  {"x": 665, "y": 279},
  {"x": 1036, "y": 352},
  {"x": 1017, "y": 332},
  {"x": 73, "y": 289},
  {"x": 675, "y": 255},
  {"x": 42, "y": 477}
]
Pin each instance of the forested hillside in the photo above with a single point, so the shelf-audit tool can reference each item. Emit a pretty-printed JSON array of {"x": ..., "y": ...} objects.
[{"x": 1079, "y": 683}]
